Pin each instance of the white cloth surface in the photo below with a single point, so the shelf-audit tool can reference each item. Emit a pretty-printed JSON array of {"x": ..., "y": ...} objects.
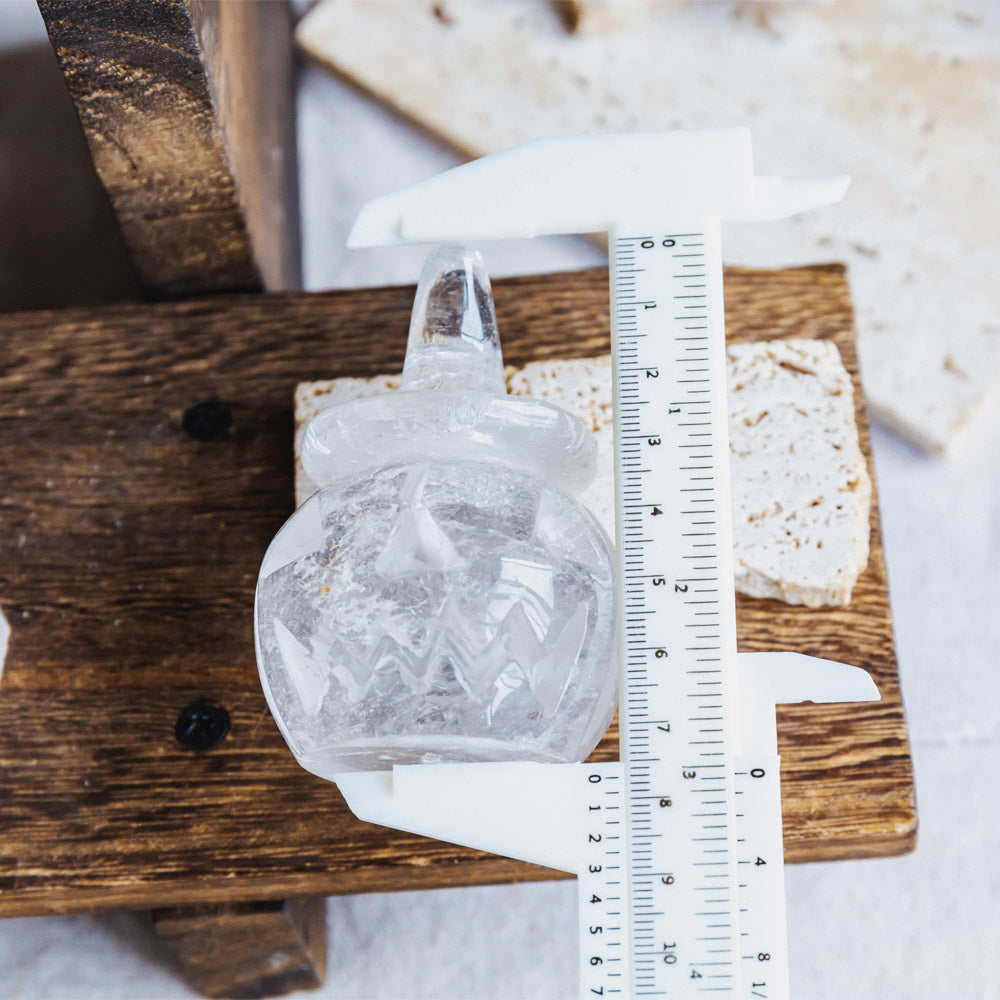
[{"x": 923, "y": 926}]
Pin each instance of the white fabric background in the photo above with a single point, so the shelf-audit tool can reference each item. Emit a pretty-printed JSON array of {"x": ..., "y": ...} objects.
[{"x": 923, "y": 926}]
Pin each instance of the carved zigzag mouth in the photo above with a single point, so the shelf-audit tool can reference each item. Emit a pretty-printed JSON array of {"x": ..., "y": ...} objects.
[{"x": 486, "y": 661}]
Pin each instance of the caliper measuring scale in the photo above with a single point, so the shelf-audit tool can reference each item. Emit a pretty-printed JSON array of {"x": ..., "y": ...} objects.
[
  {"x": 678, "y": 625},
  {"x": 678, "y": 846}
]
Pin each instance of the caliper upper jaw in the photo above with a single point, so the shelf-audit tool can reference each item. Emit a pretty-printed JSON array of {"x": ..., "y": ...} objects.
[{"x": 589, "y": 184}]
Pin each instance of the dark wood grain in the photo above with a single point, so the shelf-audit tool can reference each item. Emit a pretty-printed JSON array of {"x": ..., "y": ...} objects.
[
  {"x": 128, "y": 560},
  {"x": 248, "y": 950},
  {"x": 61, "y": 243},
  {"x": 187, "y": 106}
]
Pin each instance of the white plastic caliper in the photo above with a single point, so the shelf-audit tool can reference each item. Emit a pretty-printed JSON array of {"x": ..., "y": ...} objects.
[{"x": 678, "y": 846}]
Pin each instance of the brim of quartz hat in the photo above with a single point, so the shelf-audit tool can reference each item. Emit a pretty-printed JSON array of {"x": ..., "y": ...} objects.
[{"x": 348, "y": 439}]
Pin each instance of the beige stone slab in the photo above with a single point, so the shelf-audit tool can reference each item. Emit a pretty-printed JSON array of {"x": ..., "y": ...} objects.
[{"x": 801, "y": 491}]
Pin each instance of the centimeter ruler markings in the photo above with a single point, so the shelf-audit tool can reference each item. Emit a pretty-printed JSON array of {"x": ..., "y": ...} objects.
[{"x": 675, "y": 900}]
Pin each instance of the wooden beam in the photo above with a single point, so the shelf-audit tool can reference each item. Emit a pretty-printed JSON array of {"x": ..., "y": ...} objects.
[
  {"x": 187, "y": 106},
  {"x": 248, "y": 949}
]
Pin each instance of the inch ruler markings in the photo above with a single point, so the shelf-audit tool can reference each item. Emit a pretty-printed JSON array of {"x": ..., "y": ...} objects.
[
  {"x": 679, "y": 613},
  {"x": 685, "y": 922}
]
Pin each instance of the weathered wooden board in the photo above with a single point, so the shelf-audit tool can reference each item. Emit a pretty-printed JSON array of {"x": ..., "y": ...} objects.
[
  {"x": 187, "y": 106},
  {"x": 128, "y": 558}
]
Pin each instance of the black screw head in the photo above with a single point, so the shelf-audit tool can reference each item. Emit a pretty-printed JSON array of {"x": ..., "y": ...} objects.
[
  {"x": 202, "y": 725},
  {"x": 208, "y": 421}
]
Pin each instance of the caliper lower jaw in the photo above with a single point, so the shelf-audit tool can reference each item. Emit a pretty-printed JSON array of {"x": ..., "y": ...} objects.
[{"x": 530, "y": 811}]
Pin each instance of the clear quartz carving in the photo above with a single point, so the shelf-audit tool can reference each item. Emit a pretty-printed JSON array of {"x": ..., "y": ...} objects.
[{"x": 442, "y": 597}]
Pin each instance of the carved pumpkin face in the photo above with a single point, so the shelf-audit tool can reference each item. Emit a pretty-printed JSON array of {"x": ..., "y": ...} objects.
[{"x": 438, "y": 611}]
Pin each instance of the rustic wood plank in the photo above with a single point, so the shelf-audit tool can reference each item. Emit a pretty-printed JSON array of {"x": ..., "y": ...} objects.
[
  {"x": 128, "y": 559},
  {"x": 187, "y": 106},
  {"x": 248, "y": 949}
]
